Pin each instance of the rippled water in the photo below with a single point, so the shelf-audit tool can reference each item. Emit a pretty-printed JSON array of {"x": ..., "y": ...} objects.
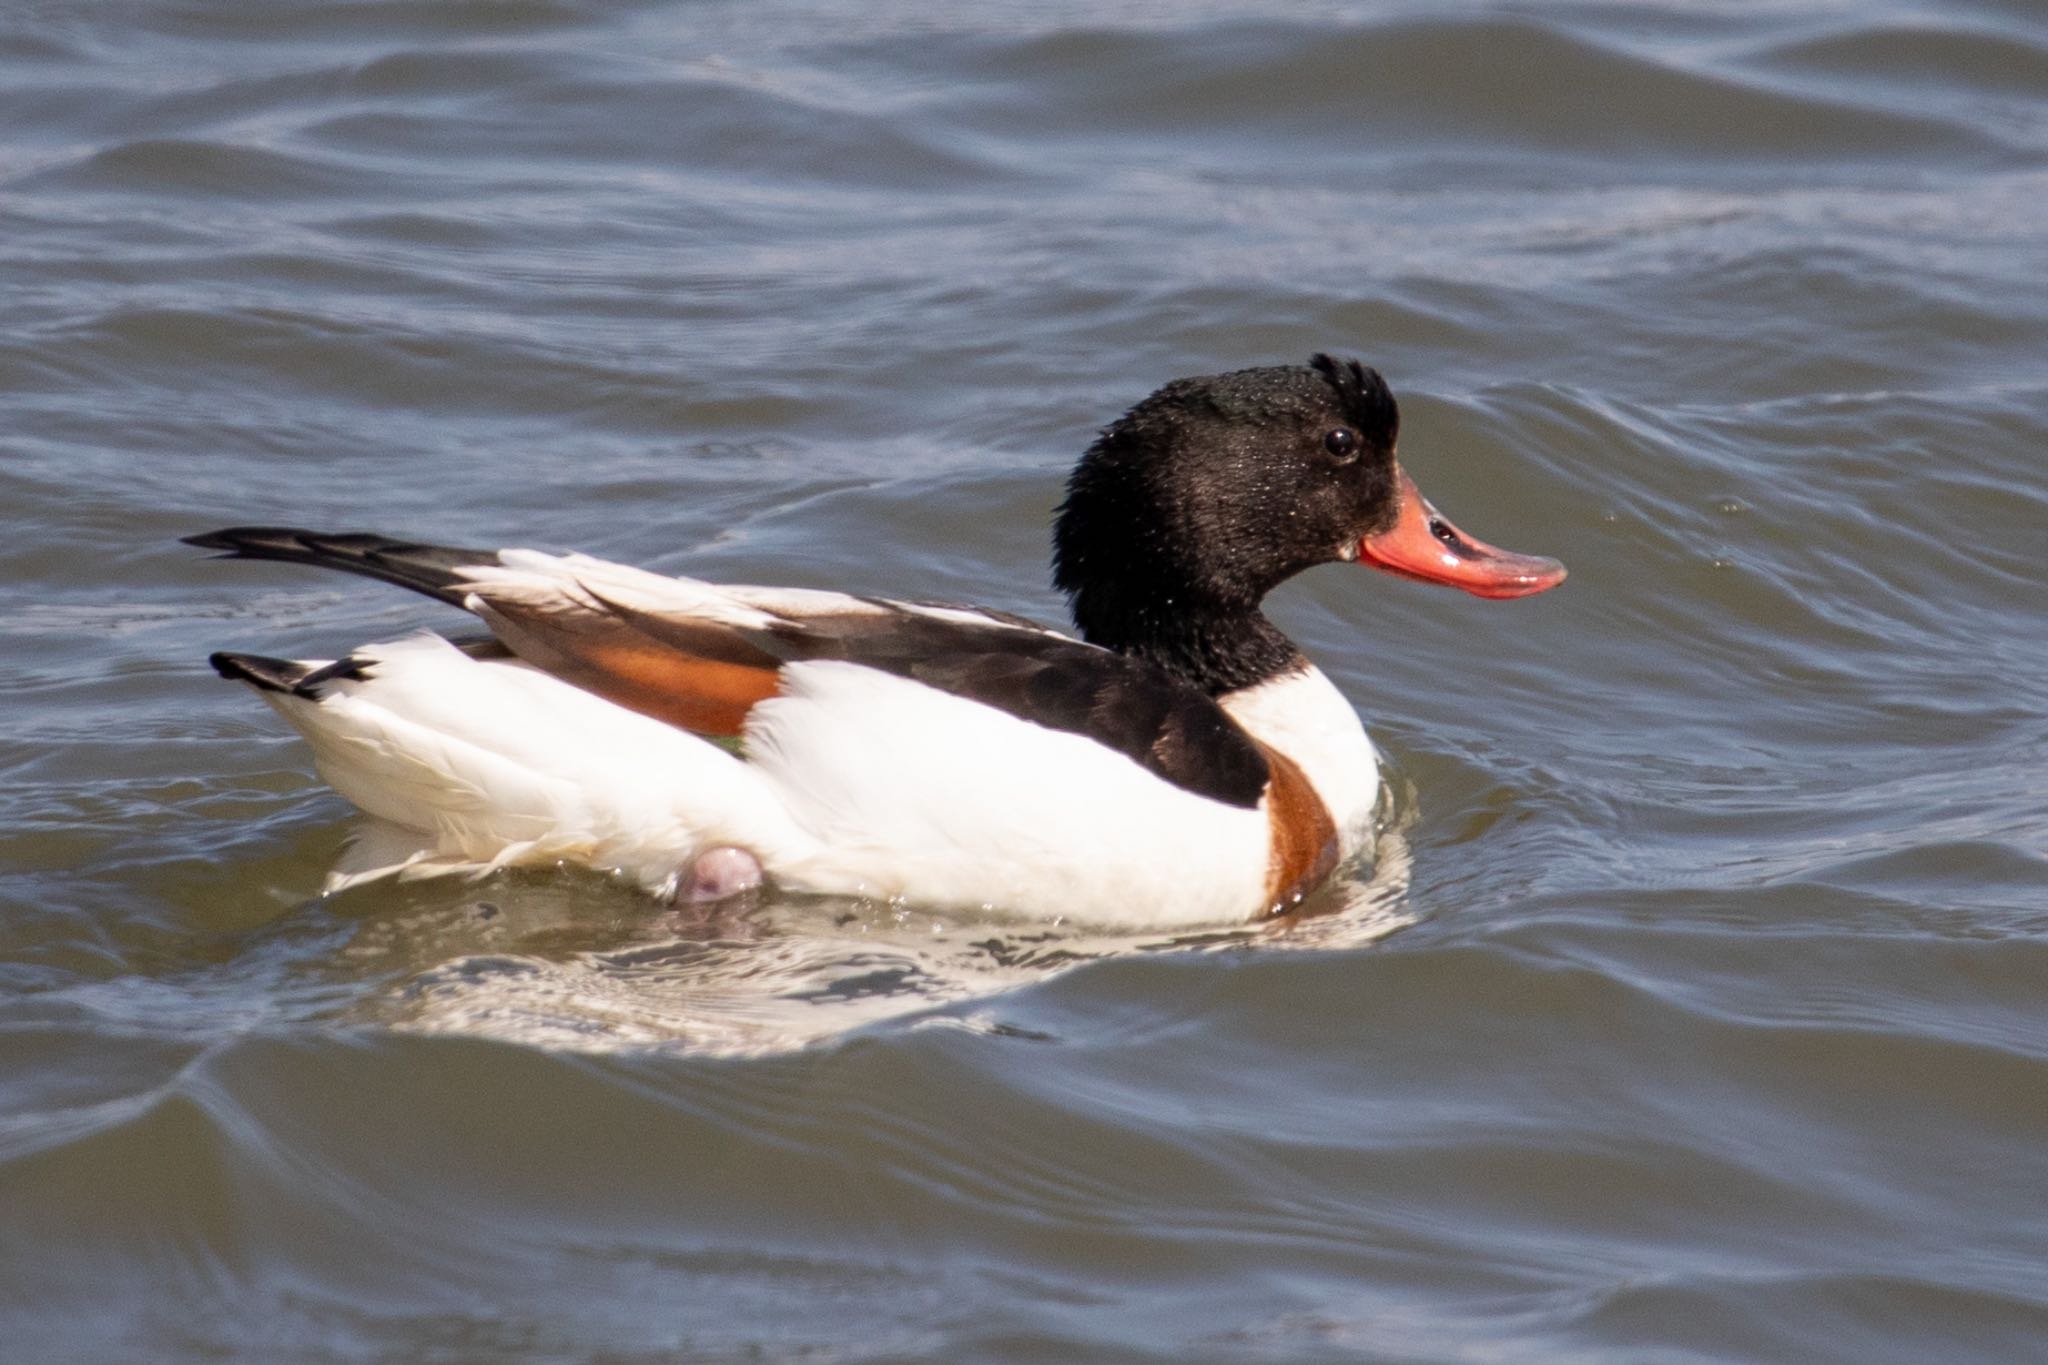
[{"x": 1700, "y": 1009}]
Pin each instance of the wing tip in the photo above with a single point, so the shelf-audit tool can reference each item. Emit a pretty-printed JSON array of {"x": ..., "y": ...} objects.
[
  {"x": 245, "y": 541},
  {"x": 436, "y": 570}
]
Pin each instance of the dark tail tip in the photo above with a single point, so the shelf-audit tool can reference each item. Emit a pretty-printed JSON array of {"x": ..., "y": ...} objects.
[
  {"x": 272, "y": 675},
  {"x": 286, "y": 675}
]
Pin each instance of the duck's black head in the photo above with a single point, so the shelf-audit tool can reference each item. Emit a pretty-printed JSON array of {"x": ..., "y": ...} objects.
[{"x": 1204, "y": 497}]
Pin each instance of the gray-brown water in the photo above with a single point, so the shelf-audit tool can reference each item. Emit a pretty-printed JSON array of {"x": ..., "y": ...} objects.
[{"x": 1699, "y": 1011}]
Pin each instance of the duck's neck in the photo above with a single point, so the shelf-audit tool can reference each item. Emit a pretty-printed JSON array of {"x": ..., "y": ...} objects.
[
  {"x": 1155, "y": 571},
  {"x": 1219, "y": 649}
]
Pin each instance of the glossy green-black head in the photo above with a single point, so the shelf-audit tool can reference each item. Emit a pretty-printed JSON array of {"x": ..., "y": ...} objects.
[
  {"x": 1224, "y": 485},
  {"x": 1214, "y": 490}
]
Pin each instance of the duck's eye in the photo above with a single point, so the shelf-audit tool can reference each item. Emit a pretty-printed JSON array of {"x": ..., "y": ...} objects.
[{"x": 1342, "y": 442}]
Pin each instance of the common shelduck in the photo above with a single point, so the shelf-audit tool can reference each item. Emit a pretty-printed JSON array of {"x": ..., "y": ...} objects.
[{"x": 1181, "y": 763}]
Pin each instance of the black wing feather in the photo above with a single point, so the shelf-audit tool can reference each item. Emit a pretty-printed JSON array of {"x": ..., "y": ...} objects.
[
  {"x": 423, "y": 568},
  {"x": 1168, "y": 727}
]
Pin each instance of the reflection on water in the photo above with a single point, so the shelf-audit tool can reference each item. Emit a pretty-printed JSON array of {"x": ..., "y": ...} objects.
[{"x": 528, "y": 958}]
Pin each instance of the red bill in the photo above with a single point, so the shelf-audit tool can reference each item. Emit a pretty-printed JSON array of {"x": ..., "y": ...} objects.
[{"x": 1423, "y": 544}]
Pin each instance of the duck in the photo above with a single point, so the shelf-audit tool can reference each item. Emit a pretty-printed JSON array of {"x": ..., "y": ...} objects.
[{"x": 1178, "y": 762}]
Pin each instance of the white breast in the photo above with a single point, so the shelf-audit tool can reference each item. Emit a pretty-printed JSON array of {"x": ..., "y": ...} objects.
[{"x": 1305, "y": 717}]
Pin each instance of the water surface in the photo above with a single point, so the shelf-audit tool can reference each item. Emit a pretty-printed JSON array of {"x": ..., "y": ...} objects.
[{"x": 1696, "y": 1012}]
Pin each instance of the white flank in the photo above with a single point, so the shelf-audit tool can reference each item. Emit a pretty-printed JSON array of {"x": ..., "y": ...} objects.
[
  {"x": 501, "y": 763},
  {"x": 913, "y": 792}
]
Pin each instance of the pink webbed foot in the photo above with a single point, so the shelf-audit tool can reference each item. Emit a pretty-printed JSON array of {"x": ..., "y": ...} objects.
[{"x": 719, "y": 874}]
